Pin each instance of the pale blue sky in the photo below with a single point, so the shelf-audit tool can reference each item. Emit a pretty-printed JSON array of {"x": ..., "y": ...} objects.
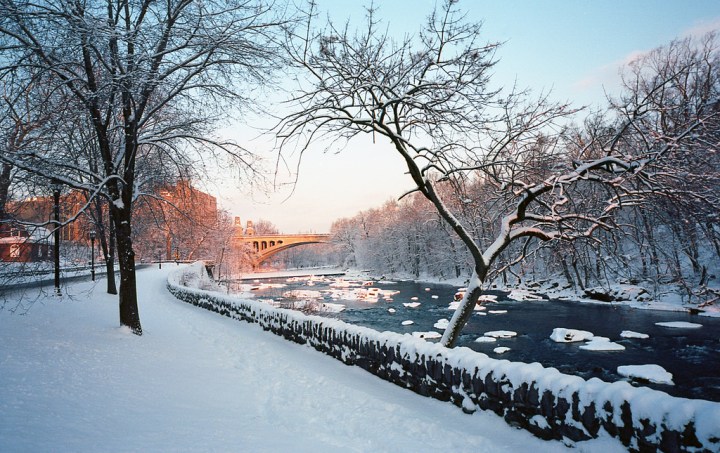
[{"x": 573, "y": 47}]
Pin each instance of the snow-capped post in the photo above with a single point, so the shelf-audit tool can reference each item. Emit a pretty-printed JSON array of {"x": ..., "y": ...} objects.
[{"x": 430, "y": 97}]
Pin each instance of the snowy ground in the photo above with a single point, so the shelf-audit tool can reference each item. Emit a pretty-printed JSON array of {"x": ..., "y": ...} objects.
[{"x": 72, "y": 380}]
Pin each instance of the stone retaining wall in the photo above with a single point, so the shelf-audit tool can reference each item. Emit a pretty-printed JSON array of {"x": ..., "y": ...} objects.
[{"x": 541, "y": 400}]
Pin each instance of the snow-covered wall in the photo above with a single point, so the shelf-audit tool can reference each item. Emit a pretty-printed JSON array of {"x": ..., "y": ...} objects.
[{"x": 541, "y": 400}]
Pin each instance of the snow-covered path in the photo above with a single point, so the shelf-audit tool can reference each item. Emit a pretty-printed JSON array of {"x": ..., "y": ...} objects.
[{"x": 72, "y": 380}]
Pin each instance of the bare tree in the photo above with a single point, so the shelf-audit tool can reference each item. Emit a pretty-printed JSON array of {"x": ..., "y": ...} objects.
[
  {"x": 151, "y": 77},
  {"x": 430, "y": 96}
]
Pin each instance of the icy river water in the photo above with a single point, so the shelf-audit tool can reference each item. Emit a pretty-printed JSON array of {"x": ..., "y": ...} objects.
[{"x": 692, "y": 355}]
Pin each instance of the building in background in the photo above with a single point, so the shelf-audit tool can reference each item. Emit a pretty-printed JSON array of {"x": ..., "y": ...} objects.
[
  {"x": 176, "y": 222},
  {"x": 179, "y": 223}
]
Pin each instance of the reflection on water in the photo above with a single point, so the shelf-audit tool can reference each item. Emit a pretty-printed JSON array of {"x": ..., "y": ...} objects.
[{"x": 691, "y": 355}]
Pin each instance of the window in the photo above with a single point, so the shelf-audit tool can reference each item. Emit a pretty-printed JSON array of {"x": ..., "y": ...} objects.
[{"x": 14, "y": 250}]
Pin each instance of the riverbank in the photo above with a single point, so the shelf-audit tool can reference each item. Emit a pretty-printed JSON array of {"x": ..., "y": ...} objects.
[{"x": 72, "y": 380}]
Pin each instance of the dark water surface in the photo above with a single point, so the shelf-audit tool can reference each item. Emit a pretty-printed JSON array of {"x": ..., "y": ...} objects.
[{"x": 691, "y": 355}]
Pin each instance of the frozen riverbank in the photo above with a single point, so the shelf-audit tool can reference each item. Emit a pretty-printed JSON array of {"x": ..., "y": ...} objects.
[{"x": 71, "y": 380}]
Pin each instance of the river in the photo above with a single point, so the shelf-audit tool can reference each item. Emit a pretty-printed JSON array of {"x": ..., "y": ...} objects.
[{"x": 691, "y": 355}]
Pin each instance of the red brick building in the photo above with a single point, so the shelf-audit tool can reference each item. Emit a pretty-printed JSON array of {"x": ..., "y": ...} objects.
[
  {"x": 176, "y": 223},
  {"x": 25, "y": 244}
]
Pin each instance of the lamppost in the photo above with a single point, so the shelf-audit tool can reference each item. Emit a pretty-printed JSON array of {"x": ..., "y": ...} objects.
[
  {"x": 92, "y": 255},
  {"x": 55, "y": 184}
]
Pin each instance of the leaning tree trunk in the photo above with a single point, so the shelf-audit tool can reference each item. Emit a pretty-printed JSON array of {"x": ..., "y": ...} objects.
[
  {"x": 464, "y": 310},
  {"x": 129, "y": 313}
]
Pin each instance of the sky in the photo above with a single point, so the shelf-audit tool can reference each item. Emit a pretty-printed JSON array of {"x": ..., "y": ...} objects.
[{"x": 573, "y": 48}]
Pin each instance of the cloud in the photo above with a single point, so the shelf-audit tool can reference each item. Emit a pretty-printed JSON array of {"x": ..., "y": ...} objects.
[
  {"x": 702, "y": 27},
  {"x": 607, "y": 76}
]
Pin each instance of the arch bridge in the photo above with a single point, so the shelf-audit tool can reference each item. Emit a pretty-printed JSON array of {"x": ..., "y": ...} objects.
[{"x": 267, "y": 245}]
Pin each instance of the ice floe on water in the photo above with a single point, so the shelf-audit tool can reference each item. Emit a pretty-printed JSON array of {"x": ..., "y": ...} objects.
[
  {"x": 501, "y": 350},
  {"x": 497, "y": 312},
  {"x": 435, "y": 296},
  {"x": 651, "y": 373},
  {"x": 442, "y": 324},
  {"x": 305, "y": 305},
  {"x": 391, "y": 310},
  {"x": 485, "y": 339},
  {"x": 679, "y": 325},
  {"x": 562, "y": 335},
  {"x": 631, "y": 334},
  {"x": 522, "y": 294},
  {"x": 602, "y": 344},
  {"x": 427, "y": 335},
  {"x": 340, "y": 283},
  {"x": 408, "y": 323},
  {"x": 302, "y": 294},
  {"x": 362, "y": 294},
  {"x": 501, "y": 334},
  {"x": 331, "y": 308},
  {"x": 411, "y": 304}
]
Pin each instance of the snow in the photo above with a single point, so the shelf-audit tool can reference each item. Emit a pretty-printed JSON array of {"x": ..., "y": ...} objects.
[
  {"x": 442, "y": 324},
  {"x": 652, "y": 373},
  {"x": 485, "y": 339},
  {"x": 602, "y": 344},
  {"x": 501, "y": 334},
  {"x": 562, "y": 335},
  {"x": 331, "y": 308},
  {"x": 671, "y": 298},
  {"x": 426, "y": 335},
  {"x": 520, "y": 295},
  {"x": 631, "y": 334},
  {"x": 72, "y": 380},
  {"x": 679, "y": 325},
  {"x": 501, "y": 350},
  {"x": 302, "y": 294},
  {"x": 407, "y": 322}
]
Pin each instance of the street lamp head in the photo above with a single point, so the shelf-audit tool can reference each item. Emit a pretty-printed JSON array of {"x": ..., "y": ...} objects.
[
  {"x": 92, "y": 235},
  {"x": 55, "y": 185}
]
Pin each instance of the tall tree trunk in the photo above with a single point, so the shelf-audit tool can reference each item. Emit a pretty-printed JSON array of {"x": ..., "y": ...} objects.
[
  {"x": 129, "y": 313},
  {"x": 107, "y": 249},
  {"x": 566, "y": 272}
]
